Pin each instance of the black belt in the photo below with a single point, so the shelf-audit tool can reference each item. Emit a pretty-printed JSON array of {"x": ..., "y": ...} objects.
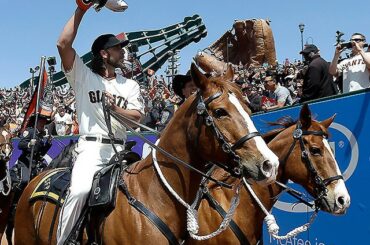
[{"x": 104, "y": 140}]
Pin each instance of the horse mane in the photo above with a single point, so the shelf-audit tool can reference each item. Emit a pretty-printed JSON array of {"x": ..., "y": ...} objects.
[
  {"x": 224, "y": 86},
  {"x": 282, "y": 124},
  {"x": 227, "y": 86}
]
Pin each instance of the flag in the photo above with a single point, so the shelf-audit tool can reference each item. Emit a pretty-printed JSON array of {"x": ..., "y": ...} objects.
[{"x": 32, "y": 105}]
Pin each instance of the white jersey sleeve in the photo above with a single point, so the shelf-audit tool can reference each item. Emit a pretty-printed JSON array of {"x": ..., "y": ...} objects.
[{"x": 78, "y": 73}]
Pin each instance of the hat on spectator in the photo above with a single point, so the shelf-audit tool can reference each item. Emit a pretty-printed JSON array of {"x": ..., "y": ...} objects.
[
  {"x": 179, "y": 82},
  {"x": 107, "y": 41},
  {"x": 309, "y": 48}
]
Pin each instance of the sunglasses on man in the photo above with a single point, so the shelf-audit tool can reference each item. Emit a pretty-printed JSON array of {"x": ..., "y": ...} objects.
[{"x": 357, "y": 40}]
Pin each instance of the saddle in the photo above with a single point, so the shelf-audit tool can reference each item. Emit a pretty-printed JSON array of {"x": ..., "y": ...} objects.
[{"x": 53, "y": 186}]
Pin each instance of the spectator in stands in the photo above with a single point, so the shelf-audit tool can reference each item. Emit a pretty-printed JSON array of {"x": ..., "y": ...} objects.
[
  {"x": 318, "y": 83},
  {"x": 62, "y": 121},
  {"x": 254, "y": 99},
  {"x": 166, "y": 115},
  {"x": 355, "y": 69},
  {"x": 279, "y": 95},
  {"x": 183, "y": 86}
]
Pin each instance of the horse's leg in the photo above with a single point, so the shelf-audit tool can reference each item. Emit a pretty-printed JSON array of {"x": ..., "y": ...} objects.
[{"x": 17, "y": 192}]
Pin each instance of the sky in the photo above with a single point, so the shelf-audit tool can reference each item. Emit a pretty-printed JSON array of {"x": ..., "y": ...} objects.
[{"x": 30, "y": 29}]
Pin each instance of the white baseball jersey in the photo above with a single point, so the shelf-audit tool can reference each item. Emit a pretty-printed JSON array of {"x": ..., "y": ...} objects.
[
  {"x": 355, "y": 74},
  {"x": 89, "y": 87},
  {"x": 61, "y": 122}
]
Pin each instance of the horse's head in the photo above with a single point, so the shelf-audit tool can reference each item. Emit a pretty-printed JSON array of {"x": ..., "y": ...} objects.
[
  {"x": 223, "y": 132},
  {"x": 5, "y": 144},
  {"x": 311, "y": 163}
]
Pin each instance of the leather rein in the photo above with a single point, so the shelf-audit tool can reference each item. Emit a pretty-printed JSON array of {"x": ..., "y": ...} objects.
[{"x": 126, "y": 122}]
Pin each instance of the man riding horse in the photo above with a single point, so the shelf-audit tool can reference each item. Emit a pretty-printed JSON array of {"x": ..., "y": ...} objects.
[{"x": 94, "y": 149}]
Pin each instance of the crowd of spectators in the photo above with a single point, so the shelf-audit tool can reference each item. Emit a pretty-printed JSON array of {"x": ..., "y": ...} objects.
[
  {"x": 59, "y": 109},
  {"x": 265, "y": 88}
]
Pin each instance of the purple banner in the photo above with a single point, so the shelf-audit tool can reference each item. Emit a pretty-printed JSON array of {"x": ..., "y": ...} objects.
[{"x": 59, "y": 143}]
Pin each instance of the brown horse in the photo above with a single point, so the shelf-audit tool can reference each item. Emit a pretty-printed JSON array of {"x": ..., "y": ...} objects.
[
  {"x": 211, "y": 126},
  {"x": 319, "y": 174},
  {"x": 5, "y": 182}
]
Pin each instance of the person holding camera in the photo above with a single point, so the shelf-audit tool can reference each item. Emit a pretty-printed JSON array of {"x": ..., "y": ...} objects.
[
  {"x": 317, "y": 82},
  {"x": 355, "y": 69}
]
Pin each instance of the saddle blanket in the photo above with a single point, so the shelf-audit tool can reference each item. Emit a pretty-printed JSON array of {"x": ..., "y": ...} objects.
[{"x": 53, "y": 186}]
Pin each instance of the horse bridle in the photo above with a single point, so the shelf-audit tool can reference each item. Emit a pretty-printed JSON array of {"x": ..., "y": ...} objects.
[
  {"x": 6, "y": 180},
  {"x": 321, "y": 184},
  {"x": 204, "y": 116},
  {"x": 2, "y": 153}
]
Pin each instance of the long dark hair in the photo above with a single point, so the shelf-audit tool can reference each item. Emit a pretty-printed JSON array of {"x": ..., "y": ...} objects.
[{"x": 97, "y": 64}]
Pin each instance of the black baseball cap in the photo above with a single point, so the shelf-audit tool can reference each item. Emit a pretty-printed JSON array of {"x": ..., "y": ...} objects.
[
  {"x": 107, "y": 41},
  {"x": 309, "y": 48}
]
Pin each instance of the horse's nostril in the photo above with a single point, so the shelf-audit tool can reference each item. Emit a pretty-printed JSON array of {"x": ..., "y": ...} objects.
[
  {"x": 267, "y": 166},
  {"x": 341, "y": 201}
]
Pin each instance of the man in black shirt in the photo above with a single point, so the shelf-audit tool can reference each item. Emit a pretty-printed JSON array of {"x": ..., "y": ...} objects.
[{"x": 318, "y": 83}]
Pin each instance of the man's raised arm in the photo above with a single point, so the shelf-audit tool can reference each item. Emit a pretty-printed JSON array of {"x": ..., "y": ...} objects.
[{"x": 68, "y": 35}]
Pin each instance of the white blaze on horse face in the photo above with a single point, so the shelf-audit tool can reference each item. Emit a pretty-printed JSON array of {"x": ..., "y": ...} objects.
[
  {"x": 5, "y": 134},
  {"x": 341, "y": 195},
  {"x": 260, "y": 143},
  {"x": 8, "y": 150}
]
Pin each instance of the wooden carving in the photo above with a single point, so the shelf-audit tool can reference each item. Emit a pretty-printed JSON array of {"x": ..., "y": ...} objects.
[{"x": 249, "y": 43}]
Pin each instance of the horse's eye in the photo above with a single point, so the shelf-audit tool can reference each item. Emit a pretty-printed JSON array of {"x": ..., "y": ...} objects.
[
  {"x": 315, "y": 151},
  {"x": 218, "y": 113}
]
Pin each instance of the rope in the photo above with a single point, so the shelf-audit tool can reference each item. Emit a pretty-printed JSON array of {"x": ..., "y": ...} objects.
[
  {"x": 272, "y": 226},
  {"x": 192, "y": 214},
  {"x": 8, "y": 181}
]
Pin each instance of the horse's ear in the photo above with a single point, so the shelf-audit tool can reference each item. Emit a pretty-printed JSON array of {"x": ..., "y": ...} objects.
[
  {"x": 305, "y": 116},
  {"x": 326, "y": 123},
  {"x": 229, "y": 74},
  {"x": 198, "y": 77}
]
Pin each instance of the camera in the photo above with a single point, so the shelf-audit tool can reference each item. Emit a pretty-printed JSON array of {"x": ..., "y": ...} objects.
[
  {"x": 51, "y": 61},
  {"x": 347, "y": 45},
  {"x": 133, "y": 48}
]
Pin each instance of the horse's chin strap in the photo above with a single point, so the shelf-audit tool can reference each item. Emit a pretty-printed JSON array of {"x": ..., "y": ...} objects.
[{"x": 192, "y": 213}]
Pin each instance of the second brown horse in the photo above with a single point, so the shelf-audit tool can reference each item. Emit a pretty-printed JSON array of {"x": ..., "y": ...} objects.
[{"x": 249, "y": 216}]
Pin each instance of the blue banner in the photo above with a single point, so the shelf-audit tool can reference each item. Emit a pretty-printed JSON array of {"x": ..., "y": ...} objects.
[{"x": 350, "y": 139}]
